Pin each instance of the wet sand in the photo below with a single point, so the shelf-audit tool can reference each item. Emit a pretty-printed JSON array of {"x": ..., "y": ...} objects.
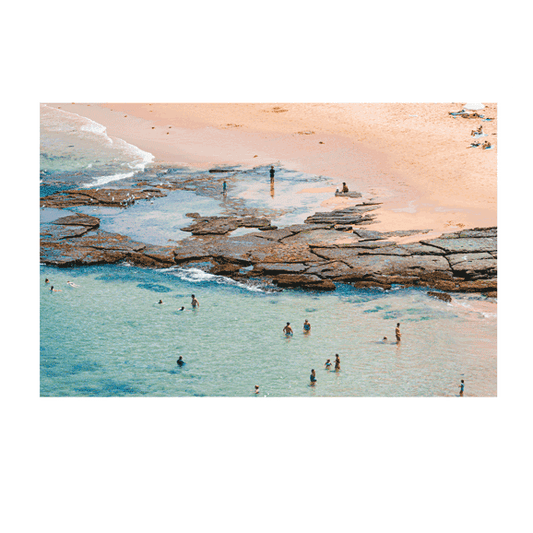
[{"x": 415, "y": 158}]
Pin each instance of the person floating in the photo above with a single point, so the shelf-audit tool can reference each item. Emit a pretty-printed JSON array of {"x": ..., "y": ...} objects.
[
  {"x": 54, "y": 290},
  {"x": 47, "y": 280},
  {"x": 398, "y": 334},
  {"x": 180, "y": 361},
  {"x": 181, "y": 308},
  {"x": 462, "y": 390},
  {"x": 72, "y": 284},
  {"x": 344, "y": 187},
  {"x": 337, "y": 362},
  {"x": 307, "y": 326},
  {"x": 288, "y": 330},
  {"x": 312, "y": 377},
  {"x": 256, "y": 389},
  {"x": 327, "y": 364},
  {"x": 194, "y": 302}
]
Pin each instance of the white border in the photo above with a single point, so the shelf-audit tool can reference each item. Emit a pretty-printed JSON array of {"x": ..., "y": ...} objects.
[{"x": 31, "y": 404}]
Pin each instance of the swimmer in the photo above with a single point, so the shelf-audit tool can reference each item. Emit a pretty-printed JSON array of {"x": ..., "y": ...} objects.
[
  {"x": 384, "y": 339},
  {"x": 160, "y": 302},
  {"x": 344, "y": 187},
  {"x": 54, "y": 290},
  {"x": 47, "y": 280},
  {"x": 180, "y": 361},
  {"x": 307, "y": 326},
  {"x": 461, "y": 391},
  {"x": 398, "y": 334},
  {"x": 327, "y": 365},
  {"x": 256, "y": 389},
  {"x": 194, "y": 302},
  {"x": 337, "y": 362},
  {"x": 72, "y": 284},
  {"x": 312, "y": 377},
  {"x": 181, "y": 308},
  {"x": 288, "y": 330}
]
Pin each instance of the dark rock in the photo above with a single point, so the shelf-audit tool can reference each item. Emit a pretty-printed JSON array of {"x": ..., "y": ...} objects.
[
  {"x": 441, "y": 296},
  {"x": 304, "y": 282}
]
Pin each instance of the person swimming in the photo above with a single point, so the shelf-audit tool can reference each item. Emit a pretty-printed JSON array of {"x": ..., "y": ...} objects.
[
  {"x": 47, "y": 280},
  {"x": 312, "y": 377},
  {"x": 160, "y": 302},
  {"x": 288, "y": 330},
  {"x": 307, "y": 326},
  {"x": 180, "y": 361},
  {"x": 181, "y": 308},
  {"x": 54, "y": 290},
  {"x": 194, "y": 302},
  {"x": 327, "y": 364},
  {"x": 337, "y": 362}
]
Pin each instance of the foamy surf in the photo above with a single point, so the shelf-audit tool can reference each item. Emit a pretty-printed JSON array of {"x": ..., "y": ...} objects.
[{"x": 196, "y": 275}]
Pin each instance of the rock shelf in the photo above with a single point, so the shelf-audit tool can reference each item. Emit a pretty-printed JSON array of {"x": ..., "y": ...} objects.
[{"x": 312, "y": 256}]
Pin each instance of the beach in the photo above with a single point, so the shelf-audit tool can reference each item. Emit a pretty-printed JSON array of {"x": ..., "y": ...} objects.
[{"x": 415, "y": 158}]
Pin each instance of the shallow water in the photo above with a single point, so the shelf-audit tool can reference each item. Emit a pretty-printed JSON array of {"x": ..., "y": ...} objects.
[{"x": 110, "y": 337}]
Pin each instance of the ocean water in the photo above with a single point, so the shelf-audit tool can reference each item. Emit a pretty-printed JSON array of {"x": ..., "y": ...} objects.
[{"x": 108, "y": 336}]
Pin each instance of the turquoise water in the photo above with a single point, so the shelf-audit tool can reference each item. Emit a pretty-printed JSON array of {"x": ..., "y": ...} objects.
[{"x": 110, "y": 337}]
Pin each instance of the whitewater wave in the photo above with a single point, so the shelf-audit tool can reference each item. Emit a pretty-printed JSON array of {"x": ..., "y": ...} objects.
[{"x": 196, "y": 275}]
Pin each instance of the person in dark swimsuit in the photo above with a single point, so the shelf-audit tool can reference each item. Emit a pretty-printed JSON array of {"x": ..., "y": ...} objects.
[
  {"x": 272, "y": 171},
  {"x": 307, "y": 326},
  {"x": 312, "y": 377},
  {"x": 337, "y": 362},
  {"x": 288, "y": 330},
  {"x": 180, "y": 361},
  {"x": 462, "y": 390}
]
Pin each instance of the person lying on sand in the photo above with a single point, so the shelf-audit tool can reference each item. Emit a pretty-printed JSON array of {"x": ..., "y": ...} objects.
[{"x": 486, "y": 145}]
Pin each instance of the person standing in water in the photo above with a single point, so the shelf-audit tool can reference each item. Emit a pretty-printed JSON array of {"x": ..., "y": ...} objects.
[
  {"x": 312, "y": 377},
  {"x": 272, "y": 172},
  {"x": 224, "y": 188},
  {"x": 307, "y": 326},
  {"x": 327, "y": 365},
  {"x": 462, "y": 390},
  {"x": 256, "y": 389},
  {"x": 398, "y": 334},
  {"x": 288, "y": 330},
  {"x": 337, "y": 362},
  {"x": 194, "y": 302},
  {"x": 180, "y": 361}
]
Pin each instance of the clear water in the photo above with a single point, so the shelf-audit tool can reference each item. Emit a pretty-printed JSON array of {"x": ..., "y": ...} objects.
[{"x": 110, "y": 337}]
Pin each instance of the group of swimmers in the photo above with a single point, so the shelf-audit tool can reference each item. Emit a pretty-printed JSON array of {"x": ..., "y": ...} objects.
[{"x": 70, "y": 283}]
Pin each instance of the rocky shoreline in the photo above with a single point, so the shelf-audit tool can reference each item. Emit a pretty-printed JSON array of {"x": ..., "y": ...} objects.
[{"x": 328, "y": 248}]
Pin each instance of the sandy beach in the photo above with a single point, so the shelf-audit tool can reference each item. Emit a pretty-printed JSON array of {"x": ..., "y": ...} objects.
[{"x": 414, "y": 158}]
